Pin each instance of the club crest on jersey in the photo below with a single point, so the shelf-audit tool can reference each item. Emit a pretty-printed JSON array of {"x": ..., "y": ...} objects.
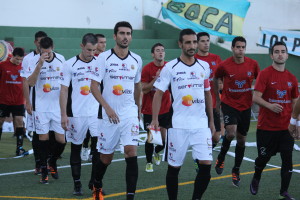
[
  {"x": 281, "y": 93},
  {"x": 14, "y": 77},
  {"x": 249, "y": 74},
  {"x": 57, "y": 69},
  {"x": 289, "y": 84},
  {"x": 132, "y": 67},
  {"x": 240, "y": 84},
  {"x": 213, "y": 63}
]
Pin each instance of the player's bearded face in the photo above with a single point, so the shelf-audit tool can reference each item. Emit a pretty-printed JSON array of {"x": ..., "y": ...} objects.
[
  {"x": 189, "y": 45},
  {"x": 123, "y": 37}
]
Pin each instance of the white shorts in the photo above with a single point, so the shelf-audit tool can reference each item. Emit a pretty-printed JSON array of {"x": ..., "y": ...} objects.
[
  {"x": 126, "y": 132},
  {"x": 78, "y": 127},
  {"x": 179, "y": 140},
  {"x": 45, "y": 121},
  {"x": 29, "y": 122}
]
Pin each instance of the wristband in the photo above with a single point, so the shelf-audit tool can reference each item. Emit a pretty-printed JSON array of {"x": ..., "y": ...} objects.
[
  {"x": 293, "y": 121},
  {"x": 298, "y": 123}
]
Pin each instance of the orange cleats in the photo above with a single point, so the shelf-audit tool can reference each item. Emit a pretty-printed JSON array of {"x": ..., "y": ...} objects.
[
  {"x": 44, "y": 180},
  {"x": 236, "y": 179},
  {"x": 219, "y": 167},
  {"x": 53, "y": 172},
  {"x": 97, "y": 194}
]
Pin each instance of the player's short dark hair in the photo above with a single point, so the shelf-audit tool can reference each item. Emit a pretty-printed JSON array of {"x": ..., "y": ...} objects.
[
  {"x": 278, "y": 43},
  {"x": 187, "y": 31},
  {"x": 18, "y": 51},
  {"x": 89, "y": 38},
  {"x": 156, "y": 45},
  {"x": 238, "y": 39},
  {"x": 40, "y": 34},
  {"x": 99, "y": 35},
  {"x": 122, "y": 24},
  {"x": 202, "y": 34},
  {"x": 46, "y": 43}
]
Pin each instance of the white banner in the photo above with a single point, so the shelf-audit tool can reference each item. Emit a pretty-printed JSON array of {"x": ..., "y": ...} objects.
[{"x": 292, "y": 39}]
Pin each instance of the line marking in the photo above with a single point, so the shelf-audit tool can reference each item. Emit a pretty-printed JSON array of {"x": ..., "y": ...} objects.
[{"x": 140, "y": 190}]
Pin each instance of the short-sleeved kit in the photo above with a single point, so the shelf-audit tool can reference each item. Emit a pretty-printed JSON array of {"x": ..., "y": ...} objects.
[
  {"x": 187, "y": 84},
  {"x": 82, "y": 107},
  {"x": 119, "y": 76}
]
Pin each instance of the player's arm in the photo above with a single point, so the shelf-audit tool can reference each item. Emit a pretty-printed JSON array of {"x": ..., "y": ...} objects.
[
  {"x": 35, "y": 74},
  {"x": 147, "y": 87},
  {"x": 294, "y": 126},
  {"x": 28, "y": 105},
  {"x": 63, "y": 98},
  {"x": 209, "y": 110},
  {"x": 137, "y": 96},
  {"x": 113, "y": 117},
  {"x": 156, "y": 104},
  {"x": 257, "y": 98}
]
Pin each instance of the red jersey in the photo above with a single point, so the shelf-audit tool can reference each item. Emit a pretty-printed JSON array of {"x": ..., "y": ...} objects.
[
  {"x": 237, "y": 81},
  {"x": 213, "y": 60},
  {"x": 276, "y": 87},
  {"x": 148, "y": 73},
  {"x": 11, "y": 87}
]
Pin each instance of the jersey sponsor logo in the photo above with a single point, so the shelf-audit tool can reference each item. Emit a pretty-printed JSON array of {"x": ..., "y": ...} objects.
[
  {"x": 194, "y": 76},
  {"x": 51, "y": 69},
  {"x": 114, "y": 64},
  {"x": 180, "y": 73},
  {"x": 175, "y": 79},
  {"x": 80, "y": 68},
  {"x": 80, "y": 74},
  {"x": 280, "y": 93},
  {"x": 85, "y": 90},
  {"x": 14, "y": 77},
  {"x": 110, "y": 71},
  {"x": 124, "y": 67},
  {"x": 96, "y": 69},
  {"x": 188, "y": 100},
  {"x": 50, "y": 78},
  {"x": 83, "y": 79},
  {"x": 199, "y": 85},
  {"x": 118, "y": 90},
  {"x": 48, "y": 88},
  {"x": 61, "y": 74},
  {"x": 240, "y": 84},
  {"x": 122, "y": 77},
  {"x": 42, "y": 72}
]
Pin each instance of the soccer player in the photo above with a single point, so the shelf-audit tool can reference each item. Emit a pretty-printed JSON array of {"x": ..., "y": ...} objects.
[
  {"x": 276, "y": 91},
  {"x": 11, "y": 96},
  {"x": 120, "y": 71},
  {"x": 150, "y": 74},
  {"x": 45, "y": 104},
  {"x": 237, "y": 73},
  {"x": 192, "y": 119},
  {"x": 101, "y": 44},
  {"x": 213, "y": 60},
  {"x": 26, "y": 71},
  {"x": 79, "y": 109}
]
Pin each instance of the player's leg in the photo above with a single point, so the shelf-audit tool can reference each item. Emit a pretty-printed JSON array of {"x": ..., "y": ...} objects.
[
  {"x": 129, "y": 136},
  {"x": 202, "y": 153},
  {"x": 177, "y": 145},
  {"x": 85, "y": 147},
  {"x": 286, "y": 153},
  {"x": 18, "y": 113},
  {"x": 230, "y": 122},
  {"x": 216, "y": 135},
  {"x": 266, "y": 147},
  {"x": 2, "y": 117},
  {"x": 149, "y": 147}
]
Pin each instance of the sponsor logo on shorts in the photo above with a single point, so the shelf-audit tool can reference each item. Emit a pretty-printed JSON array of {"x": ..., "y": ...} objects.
[
  {"x": 134, "y": 130},
  {"x": 171, "y": 157},
  {"x": 171, "y": 147}
]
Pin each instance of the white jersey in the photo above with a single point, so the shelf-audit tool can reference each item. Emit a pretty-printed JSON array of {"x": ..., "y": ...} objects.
[
  {"x": 119, "y": 77},
  {"x": 45, "y": 93},
  {"x": 76, "y": 76},
  {"x": 29, "y": 59},
  {"x": 188, "y": 84}
]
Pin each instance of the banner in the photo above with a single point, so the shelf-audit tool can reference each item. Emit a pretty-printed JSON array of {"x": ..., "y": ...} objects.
[
  {"x": 223, "y": 18},
  {"x": 292, "y": 39}
]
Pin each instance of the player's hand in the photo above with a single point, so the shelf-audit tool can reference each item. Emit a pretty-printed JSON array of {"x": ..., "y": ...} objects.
[
  {"x": 112, "y": 116},
  {"x": 155, "y": 125},
  {"x": 44, "y": 56},
  {"x": 293, "y": 130},
  {"x": 28, "y": 108},
  {"x": 64, "y": 122},
  {"x": 276, "y": 108},
  {"x": 297, "y": 133}
]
